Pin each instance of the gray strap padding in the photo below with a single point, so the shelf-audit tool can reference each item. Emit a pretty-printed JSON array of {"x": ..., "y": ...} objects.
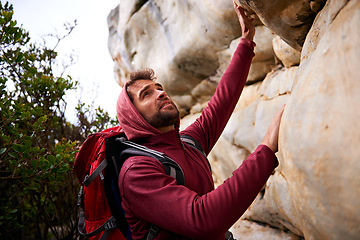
[
  {"x": 173, "y": 172},
  {"x": 96, "y": 172}
]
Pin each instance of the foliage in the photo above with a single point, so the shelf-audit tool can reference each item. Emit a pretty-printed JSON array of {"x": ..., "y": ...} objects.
[
  {"x": 38, "y": 146},
  {"x": 93, "y": 120}
]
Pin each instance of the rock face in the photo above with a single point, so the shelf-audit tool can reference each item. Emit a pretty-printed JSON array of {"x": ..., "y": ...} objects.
[
  {"x": 307, "y": 56},
  {"x": 291, "y": 20}
]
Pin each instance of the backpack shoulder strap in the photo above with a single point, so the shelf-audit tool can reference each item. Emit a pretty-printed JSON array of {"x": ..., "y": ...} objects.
[
  {"x": 172, "y": 168},
  {"x": 195, "y": 144},
  {"x": 119, "y": 149}
]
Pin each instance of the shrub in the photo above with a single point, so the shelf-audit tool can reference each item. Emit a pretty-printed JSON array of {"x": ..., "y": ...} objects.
[{"x": 38, "y": 145}]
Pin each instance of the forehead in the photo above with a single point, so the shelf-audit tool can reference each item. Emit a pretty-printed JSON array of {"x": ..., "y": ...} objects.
[{"x": 139, "y": 85}]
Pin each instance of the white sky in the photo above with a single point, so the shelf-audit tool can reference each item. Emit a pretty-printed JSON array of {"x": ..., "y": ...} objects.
[{"x": 88, "y": 42}]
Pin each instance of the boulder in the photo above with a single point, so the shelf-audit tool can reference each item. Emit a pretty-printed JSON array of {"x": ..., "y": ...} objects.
[
  {"x": 320, "y": 130},
  {"x": 291, "y": 20},
  {"x": 287, "y": 55}
]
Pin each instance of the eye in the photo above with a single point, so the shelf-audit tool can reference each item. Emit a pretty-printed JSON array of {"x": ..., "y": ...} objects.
[{"x": 159, "y": 87}]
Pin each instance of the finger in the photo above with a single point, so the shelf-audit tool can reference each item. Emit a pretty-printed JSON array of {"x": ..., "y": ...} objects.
[
  {"x": 236, "y": 4},
  {"x": 243, "y": 14},
  {"x": 280, "y": 112},
  {"x": 277, "y": 118},
  {"x": 282, "y": 109},
  {"x": 241, "y": 10}
]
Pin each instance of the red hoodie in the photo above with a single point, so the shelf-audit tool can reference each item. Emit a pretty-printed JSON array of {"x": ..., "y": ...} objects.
[{"x": 196, "y": 210}]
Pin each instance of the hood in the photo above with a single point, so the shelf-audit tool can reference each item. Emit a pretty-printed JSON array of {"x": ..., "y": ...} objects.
[{"x": 132, "y": 122}]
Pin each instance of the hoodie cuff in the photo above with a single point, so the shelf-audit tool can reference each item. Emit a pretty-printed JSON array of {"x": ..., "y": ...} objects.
[
  {"x": 248, "y": 43},
  {"x": 271, "y": 155}
]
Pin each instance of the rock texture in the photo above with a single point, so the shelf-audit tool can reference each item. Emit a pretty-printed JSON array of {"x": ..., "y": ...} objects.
[
  {"x": 291, "y": 20},
  {"x": 307, "y": 56}
]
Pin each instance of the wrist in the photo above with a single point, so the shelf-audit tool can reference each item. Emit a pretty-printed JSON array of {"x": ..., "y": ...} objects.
[
  {"x": 251, "y": 44},
  {"x": 274, "y": 149},
  {"x": 248, "y": 37}
]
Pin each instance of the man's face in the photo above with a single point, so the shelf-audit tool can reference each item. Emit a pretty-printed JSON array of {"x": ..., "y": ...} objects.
[{"x": 154, "y": 104}]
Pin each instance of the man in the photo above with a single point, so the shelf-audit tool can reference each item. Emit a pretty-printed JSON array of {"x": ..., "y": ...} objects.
[{"x": 196, "y": 210}]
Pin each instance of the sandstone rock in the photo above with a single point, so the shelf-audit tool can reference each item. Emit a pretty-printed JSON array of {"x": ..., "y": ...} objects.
[
  {"x": 245, "y": 230},
  {"x": 198, "y": 107},
  {"x": 204, "y": 90},
  {"x": 248, "y": 124},
  {"x": 263, "y": 39},
  {"x": 258, "y": 70},
  {"x": 183, "y": 39},
  {"x": 265, "y": 112},
  {"x": 287, "y": 55},
  {"x": 320, "y": 131},
  {"x": 264, "y": 60},
  {"x": 184, "y": 102},
  {"x": 279, "y": 82},
  {"x": 291, "y": 20},
  {"x": 320, "y": 26},
  {"x": 240, "y": 128},
  {"x": 250, "y": 94},
  {"x": 273, "y": 206},
  {"x": 262, "y": 63},
  {"x": 225, "y": 159},
  {"x": 278, "y": 202}
]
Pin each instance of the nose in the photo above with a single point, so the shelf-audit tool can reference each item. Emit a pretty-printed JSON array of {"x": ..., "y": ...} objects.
[{"x": 162, "y": 94}]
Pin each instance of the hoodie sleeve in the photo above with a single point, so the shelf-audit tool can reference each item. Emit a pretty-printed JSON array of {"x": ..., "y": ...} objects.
[
  {"x": 148, "y": 192},
  {"x": 209, "y": 126}
]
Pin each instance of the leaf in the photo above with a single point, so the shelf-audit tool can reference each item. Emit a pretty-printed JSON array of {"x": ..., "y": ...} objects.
[
  {"x": 13, "y": 23},
  {"x": 34, "y": 163},
  {"x": 13, "y": 211},
  {"x": 18, "y": 148},
  {"x": 2, "y": 150},
  {"x": 13, "y": 154},
  {"x": 51, "y": 159},
  {"x": 28, "y": 143}
]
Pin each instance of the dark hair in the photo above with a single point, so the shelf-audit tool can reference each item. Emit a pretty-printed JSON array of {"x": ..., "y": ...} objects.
[{"x": 146, "y": 74}]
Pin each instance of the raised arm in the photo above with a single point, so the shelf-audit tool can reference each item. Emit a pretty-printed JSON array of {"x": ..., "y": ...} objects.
[{"x": 208, "y": 128}]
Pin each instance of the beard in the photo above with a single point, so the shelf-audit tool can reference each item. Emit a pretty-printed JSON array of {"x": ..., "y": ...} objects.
[{"x": 164, "y": 118}]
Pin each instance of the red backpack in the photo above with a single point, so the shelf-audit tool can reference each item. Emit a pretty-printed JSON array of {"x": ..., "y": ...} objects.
[{"x": 97, "y": 167}]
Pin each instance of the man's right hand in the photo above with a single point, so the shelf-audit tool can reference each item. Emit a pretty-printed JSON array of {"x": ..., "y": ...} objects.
[
  {"x": 246, "y": 23},
  {"x": 272, "y": 135}
]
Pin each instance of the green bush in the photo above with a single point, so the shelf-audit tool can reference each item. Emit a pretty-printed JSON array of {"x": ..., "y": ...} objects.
[{"x": 38, "y": 145}]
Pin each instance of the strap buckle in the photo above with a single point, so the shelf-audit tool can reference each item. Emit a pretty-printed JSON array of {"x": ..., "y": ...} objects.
[
  {"x": 154, "y": 230},
  {"x": 80, "y": 196},
  {"x": 110, "y": 225}
]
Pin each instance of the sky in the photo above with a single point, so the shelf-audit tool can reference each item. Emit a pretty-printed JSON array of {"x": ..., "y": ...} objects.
[{"x": 93, "y": 67}]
